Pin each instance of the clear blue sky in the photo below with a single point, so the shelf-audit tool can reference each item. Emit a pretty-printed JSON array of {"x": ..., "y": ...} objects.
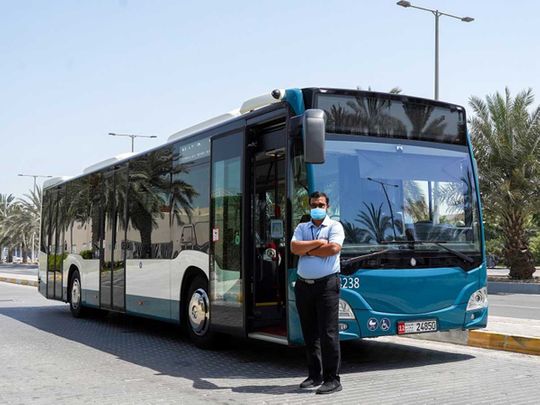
[{"x": 72, "y": 71}]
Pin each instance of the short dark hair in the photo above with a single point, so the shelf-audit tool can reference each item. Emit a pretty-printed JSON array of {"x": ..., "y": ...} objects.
[{"x": 317, "y": 194}]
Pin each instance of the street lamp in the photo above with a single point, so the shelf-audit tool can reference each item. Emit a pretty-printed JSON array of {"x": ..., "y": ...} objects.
[
  {"x": 35, "y": 176},
  {"x": 132, "y": 138},
  {"x": 437, "y": 14}
]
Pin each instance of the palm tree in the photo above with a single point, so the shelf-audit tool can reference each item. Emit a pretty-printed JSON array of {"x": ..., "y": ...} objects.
[
  {"x": 22, "y": 222},
  {"x": 353, "y": 233},
  {"x": 7, "y": 240},
  {"x": 506, "y": 139},
  {"x": 375, "y": 224},
  {"x": 31, "y": 206},
  {"x": 416, "y": 205}
]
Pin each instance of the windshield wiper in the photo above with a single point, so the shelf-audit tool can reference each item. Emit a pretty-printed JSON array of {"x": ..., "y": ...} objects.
[
  {"x": 462, "y": 256},
  {"x": 346, "y": 262}
]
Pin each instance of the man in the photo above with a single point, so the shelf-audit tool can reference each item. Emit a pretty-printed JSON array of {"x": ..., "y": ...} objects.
[{"x": 318, "y": 243}]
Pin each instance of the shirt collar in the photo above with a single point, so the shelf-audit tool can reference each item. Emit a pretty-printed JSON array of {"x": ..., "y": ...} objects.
[{"x": 325, "y": 222}]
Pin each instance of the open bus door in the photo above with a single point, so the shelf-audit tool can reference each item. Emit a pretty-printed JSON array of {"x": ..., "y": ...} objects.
[{"x": 267, "y": 189}]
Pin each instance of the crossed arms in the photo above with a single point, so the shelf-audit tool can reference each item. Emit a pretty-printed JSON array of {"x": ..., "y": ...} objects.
[{"x": 318, "y": 247}]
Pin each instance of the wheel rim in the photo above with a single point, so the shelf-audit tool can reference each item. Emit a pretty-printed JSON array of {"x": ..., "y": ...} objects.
[
  {"x": 199, "y": 312},
  {"x": 75, "y": 294}
]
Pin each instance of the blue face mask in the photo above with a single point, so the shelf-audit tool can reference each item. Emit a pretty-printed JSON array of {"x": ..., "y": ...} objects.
[{"x": 318, "y": 213}]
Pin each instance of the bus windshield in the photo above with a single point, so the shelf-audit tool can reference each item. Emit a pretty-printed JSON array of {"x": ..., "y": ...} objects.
[{"x": 388, "y": 194}]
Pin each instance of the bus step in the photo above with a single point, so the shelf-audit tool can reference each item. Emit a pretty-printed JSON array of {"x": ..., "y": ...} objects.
[{"x": 282, "y": 340}]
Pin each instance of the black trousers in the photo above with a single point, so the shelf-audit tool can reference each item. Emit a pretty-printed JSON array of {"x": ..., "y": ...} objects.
[{"x": 318, "y": 307}]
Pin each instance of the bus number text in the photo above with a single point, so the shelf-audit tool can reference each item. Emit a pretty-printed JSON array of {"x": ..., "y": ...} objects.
[{"x": 350, "y": 282}]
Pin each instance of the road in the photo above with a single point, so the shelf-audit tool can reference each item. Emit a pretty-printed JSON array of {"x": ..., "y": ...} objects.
[
  {"x": 48, "y": 356},
  {"x": 24, "y": 269},
  {"x": 525, "y": 306}
]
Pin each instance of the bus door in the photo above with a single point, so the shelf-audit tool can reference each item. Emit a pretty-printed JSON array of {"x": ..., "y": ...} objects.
[
  {"x": 56, "y": 245},
  {"x": 113, "y": 262},
  {"x": 267, "y": 169},
  {"x": 227, "y": 227}
]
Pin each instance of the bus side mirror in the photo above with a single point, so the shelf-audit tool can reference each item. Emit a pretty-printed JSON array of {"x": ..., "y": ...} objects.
[{"x": 314, "y": 127}]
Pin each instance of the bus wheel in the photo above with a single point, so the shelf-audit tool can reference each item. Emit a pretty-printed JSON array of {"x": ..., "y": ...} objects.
[
  {"x": 197, "y": 312},
  {"x": 75, "y": 296}
]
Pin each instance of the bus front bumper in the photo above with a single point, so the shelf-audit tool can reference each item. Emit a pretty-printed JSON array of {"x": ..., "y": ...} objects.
[{"x": 369, "y": 324}]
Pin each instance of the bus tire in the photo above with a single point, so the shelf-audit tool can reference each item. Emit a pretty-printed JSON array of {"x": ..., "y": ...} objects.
[
  {"x": 197, "y": 313},
  {"x": 75, "y": 296}
]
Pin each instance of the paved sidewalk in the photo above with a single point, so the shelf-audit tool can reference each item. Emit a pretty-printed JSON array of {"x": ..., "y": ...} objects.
[{"x": 48, "y": 357}]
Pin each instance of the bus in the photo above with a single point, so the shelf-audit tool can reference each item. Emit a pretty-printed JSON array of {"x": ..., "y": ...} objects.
[{"x": 196, "y": 231}]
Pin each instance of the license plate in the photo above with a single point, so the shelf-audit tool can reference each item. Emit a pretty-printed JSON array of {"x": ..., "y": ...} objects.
[{"x": 422, "y": 326}]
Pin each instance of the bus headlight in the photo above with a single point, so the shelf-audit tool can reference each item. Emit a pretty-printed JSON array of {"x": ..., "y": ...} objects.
[
  {"x": 345, "y": 310},
  {"x": 478, "y": 300}
]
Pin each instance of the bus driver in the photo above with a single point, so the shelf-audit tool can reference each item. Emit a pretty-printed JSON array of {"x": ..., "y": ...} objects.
[{"x": 318, "y": 243}]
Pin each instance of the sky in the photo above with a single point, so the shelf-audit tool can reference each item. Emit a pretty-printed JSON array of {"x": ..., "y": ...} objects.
[{"x": 73, "y": 71}]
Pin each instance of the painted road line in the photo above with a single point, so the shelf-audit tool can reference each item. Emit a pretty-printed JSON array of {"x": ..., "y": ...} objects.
[{"x": 502, "y": 341}]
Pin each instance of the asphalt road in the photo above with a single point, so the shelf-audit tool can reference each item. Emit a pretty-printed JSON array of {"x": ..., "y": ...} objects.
[
  {"x": 525, "y": 306},
  {"x": 47, "y": 356},
  {"x": 24, "y": 269}
]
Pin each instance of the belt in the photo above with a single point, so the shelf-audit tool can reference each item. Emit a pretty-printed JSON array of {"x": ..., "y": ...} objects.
[{"x": 316, "y": 280}]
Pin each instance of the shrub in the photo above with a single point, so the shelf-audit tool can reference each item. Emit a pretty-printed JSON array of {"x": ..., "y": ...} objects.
[
  {"x": 534, "y": 245},
  {"x": 86, "y": 254},
  {"x": 494, "y": 247}
]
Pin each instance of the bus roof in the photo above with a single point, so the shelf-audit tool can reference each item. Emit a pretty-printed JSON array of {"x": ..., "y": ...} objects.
[
  {"x": 276, "y": 96},
  {"x": 294, "y": 97}
]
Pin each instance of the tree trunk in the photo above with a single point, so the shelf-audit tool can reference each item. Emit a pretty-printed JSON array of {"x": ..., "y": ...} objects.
[
  {"x": 10, "y": 255},
  {"x": 23, "y": 253},
  {"x": 516, "y": 246}
]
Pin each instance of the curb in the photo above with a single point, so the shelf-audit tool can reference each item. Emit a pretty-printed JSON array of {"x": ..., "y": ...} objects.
[
  {"x": 501, "y": 341},
  {"x": 19, "y": 281},
  {"x": 485, "y": 339},
  {"x": 495, "y": 287}
]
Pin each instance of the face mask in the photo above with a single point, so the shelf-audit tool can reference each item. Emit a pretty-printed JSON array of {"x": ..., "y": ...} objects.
[{"x": 318, "y": 213}]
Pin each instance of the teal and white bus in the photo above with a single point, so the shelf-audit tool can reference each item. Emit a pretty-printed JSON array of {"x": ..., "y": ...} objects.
[{"x": 197, "y": 230}]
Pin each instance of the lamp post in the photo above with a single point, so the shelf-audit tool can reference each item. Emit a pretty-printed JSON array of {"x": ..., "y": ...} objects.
[
  {"x": 35, "y": 176},
  {"x": 132, "y": 136},
  {"x": 437, "y": 14}
]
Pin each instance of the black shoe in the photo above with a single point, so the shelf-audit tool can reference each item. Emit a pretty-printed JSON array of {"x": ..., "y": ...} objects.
[
  {"x": 329, "y": 387},
  {"x": 310, "y": 383}
]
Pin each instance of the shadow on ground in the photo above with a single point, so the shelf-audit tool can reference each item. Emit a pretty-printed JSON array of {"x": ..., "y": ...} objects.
[{"x": 162, "y": 348}]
